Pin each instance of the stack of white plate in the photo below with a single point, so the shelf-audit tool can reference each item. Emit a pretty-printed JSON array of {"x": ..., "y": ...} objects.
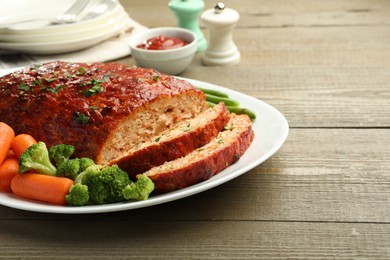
[{"x": 24, "y": 26}]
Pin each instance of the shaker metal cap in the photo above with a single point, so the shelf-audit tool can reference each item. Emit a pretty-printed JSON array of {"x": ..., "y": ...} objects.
[
  {"x": 221, "y": 15},
  {"x": 219, "y": 7}
]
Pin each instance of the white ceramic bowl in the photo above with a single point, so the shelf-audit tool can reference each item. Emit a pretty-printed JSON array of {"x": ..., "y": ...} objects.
[{"x": 172, "y": 61}]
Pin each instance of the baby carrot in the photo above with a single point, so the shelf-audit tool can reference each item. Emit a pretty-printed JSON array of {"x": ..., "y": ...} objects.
[
  {"x": 41, "y": 187},
  {"x": 7, "y": 134},
  {"x": 21, "y": 143},
  {"x": 8, "y": 170}
]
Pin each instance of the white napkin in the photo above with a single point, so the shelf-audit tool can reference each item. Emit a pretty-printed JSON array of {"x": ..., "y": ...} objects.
[{"x": 107, "y": 50}]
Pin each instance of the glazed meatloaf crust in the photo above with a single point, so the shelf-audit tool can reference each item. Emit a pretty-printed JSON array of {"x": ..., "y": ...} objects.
[
  {"x": 103, "y": 109},
  {"x": 175, "y": 142},
  {"x": 206, "y": 161}
]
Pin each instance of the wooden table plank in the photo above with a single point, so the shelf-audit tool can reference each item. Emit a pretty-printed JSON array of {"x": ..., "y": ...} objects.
[
  {"x": 185, "y": 240},
  {"x": 269, "y": 14}
]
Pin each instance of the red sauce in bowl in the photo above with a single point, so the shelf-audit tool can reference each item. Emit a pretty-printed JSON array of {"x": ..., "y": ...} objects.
[{"x": 162, "y": 43}]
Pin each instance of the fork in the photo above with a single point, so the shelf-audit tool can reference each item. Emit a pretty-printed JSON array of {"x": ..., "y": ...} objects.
[
  {"x": 102, "y": 7},
  {"x": 70, "y": 16}
]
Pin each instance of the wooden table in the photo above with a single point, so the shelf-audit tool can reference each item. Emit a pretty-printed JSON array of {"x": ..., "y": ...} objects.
[{"x": 325, "y": 194}]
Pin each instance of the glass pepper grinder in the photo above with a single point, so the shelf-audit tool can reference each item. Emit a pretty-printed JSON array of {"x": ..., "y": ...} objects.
[
  {"x": 220, "y": 22},
  {"x": 187, "y": 13}
]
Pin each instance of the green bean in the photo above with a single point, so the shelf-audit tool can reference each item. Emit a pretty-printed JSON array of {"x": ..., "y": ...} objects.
[
  {"x": 213, "y": 92},
  {"x": 241, "y": 110},
  {"x": 231, "y": 105},
  {"x": 211, "y": 104},
  {"x": 227, "y": 101}
]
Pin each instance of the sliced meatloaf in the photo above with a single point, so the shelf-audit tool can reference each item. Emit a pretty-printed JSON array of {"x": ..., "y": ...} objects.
[
  {"x": 176, "y": 141},
  {"x": 206, "y": 161},
  {"x": 103, "y": 109}
]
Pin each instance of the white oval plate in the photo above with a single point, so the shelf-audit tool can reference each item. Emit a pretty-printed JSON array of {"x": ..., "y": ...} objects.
[{"x": 271, "y": 130}]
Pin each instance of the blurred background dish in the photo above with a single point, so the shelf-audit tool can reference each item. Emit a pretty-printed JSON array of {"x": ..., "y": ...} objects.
[
  {"x": 172, "y": 60},
  {"x": 35, "y": 37}
]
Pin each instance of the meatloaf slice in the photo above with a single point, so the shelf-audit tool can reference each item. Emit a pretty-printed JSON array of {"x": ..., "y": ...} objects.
[
  {"x": 175, "y": 142},
  {"x": 103, "y": 109},
  {"x": 207, "y": 160}
]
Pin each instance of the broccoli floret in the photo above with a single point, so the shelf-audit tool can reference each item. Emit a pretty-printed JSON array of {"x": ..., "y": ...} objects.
[
  {"x": 60, "y": 153},
  {"x": 69, "y": 169},
  {"x": 36, "y": 157},
  {"x": 78, "y": 192},
  {"x": 139, "y": 190},
  {"x": 73, "y": 167},
  {"x": 85, "y": 163},
  {"x": 100, "y": 185},
  {"x": 106, "y": 185},
  {"x": 78, "y": 195},
  {"x": 90, "y": 170}
]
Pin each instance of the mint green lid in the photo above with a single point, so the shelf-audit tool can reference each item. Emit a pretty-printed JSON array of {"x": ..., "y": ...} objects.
[
  {"x": 188, "y": 6},
  {"x": 187, "y": 13}
]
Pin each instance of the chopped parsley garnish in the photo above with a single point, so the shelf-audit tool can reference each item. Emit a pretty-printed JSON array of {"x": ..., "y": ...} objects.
[
  {"x": 157, "y": 139},
  {"x": 220, "y": 141},
  {"x": 81, "y": 71},
  {"x": 81, "y": 118},
  {"x": 24, "y": 87},
  {"x": 106, "y": 78},
  {"x": 35, "y": 66},
  {"x": 95, "y": 89},
  {"x": 186, "y": 128},
  {"x": 37, "y": 82},
  {"x": 49, "y": 80},
  {"x": 56, "y": 89},
  {"x": 155, "y": 78}
]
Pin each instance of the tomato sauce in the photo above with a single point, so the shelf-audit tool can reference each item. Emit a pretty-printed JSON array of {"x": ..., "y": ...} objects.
[{"x": 162, "y": 43}]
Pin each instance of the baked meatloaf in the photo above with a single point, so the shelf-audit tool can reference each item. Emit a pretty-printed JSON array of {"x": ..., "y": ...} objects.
[
  {"x": 103, "y": 109},
  {"x": 175, "y": 142},
  {"x": 204, "y": 162}
]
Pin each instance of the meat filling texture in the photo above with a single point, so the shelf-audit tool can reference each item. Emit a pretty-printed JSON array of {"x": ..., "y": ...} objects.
[{"x": 144, "y": 126}]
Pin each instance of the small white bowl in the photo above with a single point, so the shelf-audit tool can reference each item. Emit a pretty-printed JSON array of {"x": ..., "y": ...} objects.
[{"x": 172, "y": 61}]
